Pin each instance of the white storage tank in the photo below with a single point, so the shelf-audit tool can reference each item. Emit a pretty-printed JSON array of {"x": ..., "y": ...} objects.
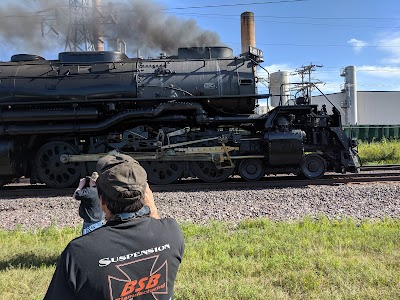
[{"x": 279, "y": 87}]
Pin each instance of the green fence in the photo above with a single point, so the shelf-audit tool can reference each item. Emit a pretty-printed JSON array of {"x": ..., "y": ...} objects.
[{"x": 369, "y": 133}]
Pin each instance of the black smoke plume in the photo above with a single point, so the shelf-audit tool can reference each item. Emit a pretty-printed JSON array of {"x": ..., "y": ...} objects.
[
  {"x": 146, "y": 26},
  {"x": 38, "y": 26}
]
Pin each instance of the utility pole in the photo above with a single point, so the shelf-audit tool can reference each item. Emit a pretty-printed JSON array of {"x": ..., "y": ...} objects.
[{"x": 306, "y": 85}]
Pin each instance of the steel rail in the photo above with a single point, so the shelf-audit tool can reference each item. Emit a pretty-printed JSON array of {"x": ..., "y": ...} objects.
[
  {"x": 23, "y": 190},
  {"x": 380, "y": 167}
]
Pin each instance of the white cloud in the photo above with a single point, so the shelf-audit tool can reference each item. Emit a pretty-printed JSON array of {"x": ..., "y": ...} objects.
[
  {"x": 279, "y": 67},
  {"x": 358, "y": 45},
  {"x": 378, "y": 78},
  {"x": 266, "y": 70},
  {"x": 385, "y": 75},
  {"x": 382, "y": 72},
  {"x": 330, "y": 87},
  {"x": 390, "y": 43}
]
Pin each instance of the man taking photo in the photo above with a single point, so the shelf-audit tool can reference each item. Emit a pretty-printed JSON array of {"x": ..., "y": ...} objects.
[{"x": 135, "y": 255}]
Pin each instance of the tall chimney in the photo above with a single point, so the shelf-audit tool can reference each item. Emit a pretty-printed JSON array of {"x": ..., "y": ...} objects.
[{"x": 247, "y": 31}]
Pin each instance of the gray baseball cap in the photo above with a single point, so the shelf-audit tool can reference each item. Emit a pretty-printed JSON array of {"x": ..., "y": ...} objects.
[{"x": 120, "y": 174}]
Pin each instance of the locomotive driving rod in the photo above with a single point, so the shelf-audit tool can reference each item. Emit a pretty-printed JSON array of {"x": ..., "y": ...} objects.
[
  {"x": 173, "y": 152},
  {"x": 214, "y": 154}
]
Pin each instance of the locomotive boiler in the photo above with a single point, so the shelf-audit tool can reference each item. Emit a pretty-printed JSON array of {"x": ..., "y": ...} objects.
[{"x": 188, "y": 115}]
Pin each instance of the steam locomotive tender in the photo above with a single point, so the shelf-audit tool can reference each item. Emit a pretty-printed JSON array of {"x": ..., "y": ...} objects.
[{"x": 189, "y": 115}]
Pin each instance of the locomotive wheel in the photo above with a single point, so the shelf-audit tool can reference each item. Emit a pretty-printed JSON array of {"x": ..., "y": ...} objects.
[
  {"x": 163, "y": 172},
  {"x": 251, "y": 169},
  {"x": 314, "y": 166},
  {"x": 51, "y": 171},
  {"x": 208, "y": 172}
]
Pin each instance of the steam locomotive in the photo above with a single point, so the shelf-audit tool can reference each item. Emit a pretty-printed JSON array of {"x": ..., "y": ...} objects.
[{"x": 182, "y": 116}]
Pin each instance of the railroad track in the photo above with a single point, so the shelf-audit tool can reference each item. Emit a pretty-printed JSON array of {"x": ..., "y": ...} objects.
[
  {"x": 370, "y": 174},
  {"x": 380, "y": 168}
]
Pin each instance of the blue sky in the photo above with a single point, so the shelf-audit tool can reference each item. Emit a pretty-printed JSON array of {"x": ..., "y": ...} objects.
[
  {"x": 292, "y": 33},
  {"x": 334, "y": 34}
]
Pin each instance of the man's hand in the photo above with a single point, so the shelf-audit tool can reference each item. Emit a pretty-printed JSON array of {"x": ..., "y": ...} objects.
[
  {"x": 82, "y": 183},
  {"x": 149, "y": 201}
]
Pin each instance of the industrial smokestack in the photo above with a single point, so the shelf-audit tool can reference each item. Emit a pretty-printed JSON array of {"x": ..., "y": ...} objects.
[
  {"x": 350, "y": 103},
  {"x": 247, "y": 31},
  {"x": 98, "y": 25}
]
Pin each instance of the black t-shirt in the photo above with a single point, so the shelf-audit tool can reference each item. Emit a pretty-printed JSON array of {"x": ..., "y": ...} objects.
[
  {"x": 138, "y": 259},
  {"x": 89, "y": 209}
]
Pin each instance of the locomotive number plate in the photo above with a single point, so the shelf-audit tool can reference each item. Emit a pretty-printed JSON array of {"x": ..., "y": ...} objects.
[{"x": 210, "y": 86}]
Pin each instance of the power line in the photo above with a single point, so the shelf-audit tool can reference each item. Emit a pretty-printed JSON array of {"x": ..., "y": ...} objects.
[
  {"x": 317, "y": 45},
  {"x": 329, "y": 25},
  {"x": 235, "y": 17},
  {"x": 296, "y": 17},
  {"x": 237, "y": 4},
  {"x": 329, "y": 45}
]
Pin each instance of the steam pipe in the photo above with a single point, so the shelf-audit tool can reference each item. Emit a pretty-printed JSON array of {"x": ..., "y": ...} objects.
[
  {"x": 126, "y": 116},
  {"x": 48, "y": 115},
  {"x": 122, "y": 46},
  {"x": 87, "y": 128}
]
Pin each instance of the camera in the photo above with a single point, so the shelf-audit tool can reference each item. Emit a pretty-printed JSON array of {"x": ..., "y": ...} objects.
[{"x": 87, "y": 181}]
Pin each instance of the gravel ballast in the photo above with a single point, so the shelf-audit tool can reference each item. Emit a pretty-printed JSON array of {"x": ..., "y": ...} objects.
[{"x": 360, "y": 201}]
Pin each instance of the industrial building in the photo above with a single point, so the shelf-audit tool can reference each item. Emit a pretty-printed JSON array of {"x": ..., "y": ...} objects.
[
  {"x": 368, "y": 115},
  {"x": 363, "y": 107}
]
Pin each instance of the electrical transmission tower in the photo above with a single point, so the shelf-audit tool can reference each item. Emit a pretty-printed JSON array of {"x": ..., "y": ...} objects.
[
  {"x": 78, "y": 33},
  {"x": 85, "y": 24}
]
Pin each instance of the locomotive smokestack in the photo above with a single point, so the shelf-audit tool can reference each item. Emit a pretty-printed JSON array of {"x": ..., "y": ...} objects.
[{"x": 247, "y": 31}]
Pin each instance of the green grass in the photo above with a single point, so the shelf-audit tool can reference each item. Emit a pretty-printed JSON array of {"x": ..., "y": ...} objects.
[
  {"x": 375, "y": 153},
  {"x": 27, "y": 260},
  {"x": 258, "y": 259}
]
